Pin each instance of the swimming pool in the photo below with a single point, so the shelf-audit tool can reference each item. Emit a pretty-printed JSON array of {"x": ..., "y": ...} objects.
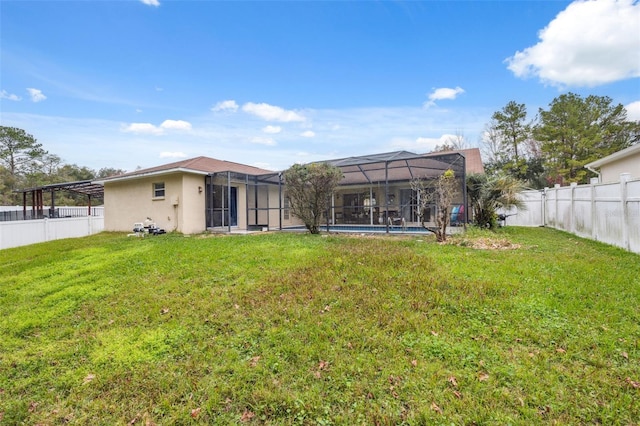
[{"x": 365, "y": 229}]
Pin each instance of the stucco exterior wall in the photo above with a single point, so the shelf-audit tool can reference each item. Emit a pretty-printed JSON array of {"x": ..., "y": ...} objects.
[
  {"x": 181, "y": 209},
  {"x": 191, "y": 210},
  {"x": 611, "y": 172}
]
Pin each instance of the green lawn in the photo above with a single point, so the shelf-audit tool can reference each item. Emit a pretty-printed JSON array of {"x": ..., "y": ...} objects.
[{"x": 302, "y": 329}]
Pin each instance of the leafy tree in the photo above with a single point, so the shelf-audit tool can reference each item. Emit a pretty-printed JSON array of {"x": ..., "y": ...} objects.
[
  {"x": 511, "y": 124},
  {"x": 507, "y": 140},
  {"x": 532, "y": 175},
  {"x": 18, "y": 150},
  {"x": 441, "y": 192},
  {"x": 6, "y": 197},
  {"x": 487, "y": 193},
  {"x": 109, "y": 171},
  {"x": 309, "y": 188},
  {"x": 575, "y": 131}
]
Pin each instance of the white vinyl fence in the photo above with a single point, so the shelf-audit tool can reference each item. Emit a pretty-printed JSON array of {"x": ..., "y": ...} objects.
[
  {"x": 604, "y": 212},
  {"x": 24, "y": 232}
]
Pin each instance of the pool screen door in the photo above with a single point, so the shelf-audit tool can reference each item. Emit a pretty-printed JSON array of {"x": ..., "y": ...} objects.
[{"x": 222, "y": 206}]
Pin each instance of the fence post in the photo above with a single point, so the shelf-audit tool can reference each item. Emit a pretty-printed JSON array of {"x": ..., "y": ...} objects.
[
  {"x": 624, "y": 182},
  {"x": 544, "y": 205},
  {"x": 573, "y": 206},
  {"x": 556, "y": 188},
  {"x": 594, "y": 234}
]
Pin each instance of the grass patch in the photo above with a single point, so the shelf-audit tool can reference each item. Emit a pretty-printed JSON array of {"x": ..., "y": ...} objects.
[{"x": 302, "y": 329}]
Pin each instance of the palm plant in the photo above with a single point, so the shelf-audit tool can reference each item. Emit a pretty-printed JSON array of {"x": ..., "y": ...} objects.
[{"x": 488, "y": 193}]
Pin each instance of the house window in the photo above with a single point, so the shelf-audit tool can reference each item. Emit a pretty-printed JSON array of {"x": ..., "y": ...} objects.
[
  {"x": 158, "y": 190},
  {"x": 286, "y": 208}
]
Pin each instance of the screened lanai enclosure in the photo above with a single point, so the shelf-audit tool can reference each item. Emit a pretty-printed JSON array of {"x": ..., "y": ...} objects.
[
  {"x": 239, "y": 199},
  {"x": 376, "y": 189},
  {"x": 374, "y": 192}
]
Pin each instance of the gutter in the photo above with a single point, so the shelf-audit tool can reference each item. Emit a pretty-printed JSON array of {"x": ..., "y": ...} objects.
[
  {"x": 148, "y": 174},
  {"x": 591, "y": 169}
]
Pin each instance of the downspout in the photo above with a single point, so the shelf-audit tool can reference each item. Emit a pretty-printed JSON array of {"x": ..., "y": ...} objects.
[{"x": 591, "y": 169}]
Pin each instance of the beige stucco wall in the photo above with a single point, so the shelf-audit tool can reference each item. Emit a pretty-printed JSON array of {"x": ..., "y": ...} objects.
[
  {"x": 192, "y": 213},
  {"x": 181, "y": 209},
  {"x": 611, "y": 172}
]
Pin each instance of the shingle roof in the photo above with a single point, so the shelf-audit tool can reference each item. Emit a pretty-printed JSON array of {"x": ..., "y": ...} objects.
[{"x": 198, "y": 164}]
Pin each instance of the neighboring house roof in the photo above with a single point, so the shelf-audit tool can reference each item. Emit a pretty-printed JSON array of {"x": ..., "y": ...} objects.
[
  {"x": 473, "y": 159},
  {"x": 616, "y": 156},
  {"x": 199, "y": 165}
]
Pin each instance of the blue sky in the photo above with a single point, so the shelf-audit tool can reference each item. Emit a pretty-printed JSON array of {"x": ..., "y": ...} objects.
[{"x": 129, "y": 83}]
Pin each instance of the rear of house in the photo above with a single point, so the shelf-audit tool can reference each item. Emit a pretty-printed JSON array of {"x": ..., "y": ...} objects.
[
  {"x": 192, "y": 196},
  {"x": 200, "y": 194}
]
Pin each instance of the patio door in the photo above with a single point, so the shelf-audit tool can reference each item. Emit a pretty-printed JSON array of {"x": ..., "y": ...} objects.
[{"x": 222, "y": 206}]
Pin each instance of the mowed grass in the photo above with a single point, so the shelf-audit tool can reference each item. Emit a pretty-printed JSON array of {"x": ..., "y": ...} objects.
[{"x": 302, "y": 329}]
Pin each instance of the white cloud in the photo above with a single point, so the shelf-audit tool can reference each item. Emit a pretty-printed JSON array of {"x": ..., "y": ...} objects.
[
  {"x": 151, "y": 2},
  {"x": 633, "y": 111},
  {"x": 225, "y": 106},
  {"x": 142, "y": 128},
  {"x": 151, "y": 129},
  {"x": 9, "y": 96},
  {"x": 260, "y": 140},
  {"x": 271, "y": 113},
  {"x": 443, "y": 93},
  {"x": 308, "y": 134},
  {"x": 36, "y": 94},
  {"x": 177, "y": 154},
  {"x": 588, "y": 44},
  {"x": 272, "y": 129},
  {"x": 176, "y": 125}
]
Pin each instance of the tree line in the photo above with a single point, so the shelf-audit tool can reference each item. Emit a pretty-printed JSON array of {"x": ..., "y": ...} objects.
[
  {"x": 555, "y": 146},
  {"x": 24, "y": 163}
]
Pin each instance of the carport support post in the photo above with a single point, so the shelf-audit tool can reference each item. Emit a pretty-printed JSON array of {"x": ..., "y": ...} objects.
[
  {"x": 24, "y": 206},
  {"x": 229, "y": 202},
  {"x": 464, "y": 191},
  {"x": 386, "y": 195},
  {"x": 52, "y": 210},
  {"x": 280, "y": 201}
]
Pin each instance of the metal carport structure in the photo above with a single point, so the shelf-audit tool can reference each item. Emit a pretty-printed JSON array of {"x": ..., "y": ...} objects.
[{"x": 85, "y": 187}]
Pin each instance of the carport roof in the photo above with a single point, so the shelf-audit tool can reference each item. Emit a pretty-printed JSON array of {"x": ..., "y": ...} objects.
[{"x": 86, "y": 187}]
